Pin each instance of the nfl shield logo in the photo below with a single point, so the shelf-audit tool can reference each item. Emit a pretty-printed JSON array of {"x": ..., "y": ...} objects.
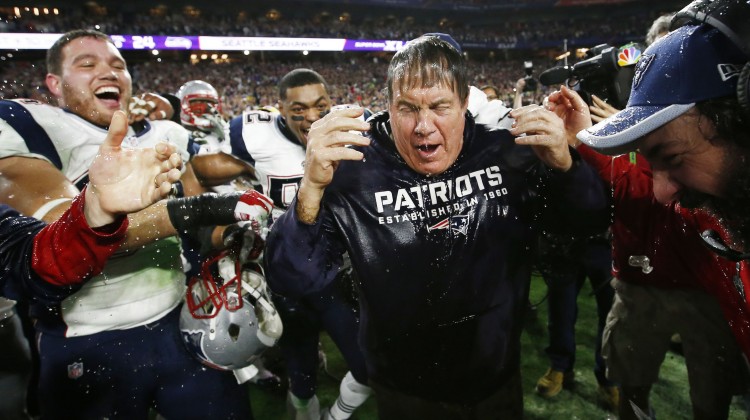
[{"x": 75, "y": 370}]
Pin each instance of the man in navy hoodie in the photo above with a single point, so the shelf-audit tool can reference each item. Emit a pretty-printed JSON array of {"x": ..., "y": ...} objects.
[{"x": 438, "y": 215}]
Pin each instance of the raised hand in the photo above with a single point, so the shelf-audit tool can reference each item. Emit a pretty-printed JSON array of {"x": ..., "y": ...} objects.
[
  {"x": 544, "y": 131},
  {"x": 123, "y": 179},
  {"x": 327, "y": 141},
  {"x": 601, "y": 110},
  {"x": 149, "y": 105},
  {"x": 326, "y": 147},
  {"x": 573, "y": 111}
]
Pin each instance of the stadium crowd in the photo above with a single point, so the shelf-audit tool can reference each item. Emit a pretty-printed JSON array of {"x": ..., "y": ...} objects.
[
  {"x": 530, "y": 31},
  {"x": 250, "y": 83}
]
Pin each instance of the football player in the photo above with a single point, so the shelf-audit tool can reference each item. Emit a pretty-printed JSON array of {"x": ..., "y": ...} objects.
[
  {"x": 48, "y": 260},
  {"x": 113, "y": 347},
  {"x": 201, "y": 113},
  {"x": 274, "y": 144}
]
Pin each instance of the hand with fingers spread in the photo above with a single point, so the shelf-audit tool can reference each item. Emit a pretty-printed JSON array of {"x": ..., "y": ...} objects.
[
  {"x": 544, "y": 131},
  {"x": 600, "y": 110},
  {"x": 573, "y": 110},
  {"x": 326, "y": 146},
  {"x": 149, "y": 105},
  {"x": 125, "y": 180}
]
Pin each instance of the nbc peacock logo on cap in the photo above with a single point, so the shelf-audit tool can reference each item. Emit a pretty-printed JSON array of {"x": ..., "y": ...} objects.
[{"x": 628, "y": 55}]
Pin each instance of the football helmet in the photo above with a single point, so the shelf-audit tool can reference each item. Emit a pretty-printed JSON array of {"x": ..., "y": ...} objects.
[
  {"x": 228, "y": 320},
  {"x": 199, "y": 105}
]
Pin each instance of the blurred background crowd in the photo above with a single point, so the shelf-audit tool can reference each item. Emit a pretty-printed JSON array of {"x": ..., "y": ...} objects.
[{"x": 497, "y": 37}]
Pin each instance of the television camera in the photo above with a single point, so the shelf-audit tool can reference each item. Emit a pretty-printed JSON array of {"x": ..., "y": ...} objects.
[
  {"x": 605, "y": 71},
  {"x": 530, "y": 85}
]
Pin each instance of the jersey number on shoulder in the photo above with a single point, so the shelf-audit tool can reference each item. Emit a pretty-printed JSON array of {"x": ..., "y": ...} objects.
[
  {"x": 283, "y": 190},
  {"x": 258, "y": 117}
]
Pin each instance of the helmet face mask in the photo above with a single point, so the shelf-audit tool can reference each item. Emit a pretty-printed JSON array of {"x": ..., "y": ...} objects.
[
  {"x": 201, "y": 106},
  {"x": 205, "y": 298},
  {"x": 228, "y": 319}
]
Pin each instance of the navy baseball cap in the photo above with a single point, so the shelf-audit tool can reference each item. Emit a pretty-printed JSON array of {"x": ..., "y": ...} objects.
[
  {"x": 447, "y": 38},
  {"x": 690, "y": 64}
]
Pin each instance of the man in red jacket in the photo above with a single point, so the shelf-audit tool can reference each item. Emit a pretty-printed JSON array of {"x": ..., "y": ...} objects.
[
  {"x": 689, "y": 119},
  {"x": 663, "y": 271}
]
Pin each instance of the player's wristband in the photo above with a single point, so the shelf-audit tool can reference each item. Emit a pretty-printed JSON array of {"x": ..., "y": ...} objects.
[{"x": 214, "y": 209}]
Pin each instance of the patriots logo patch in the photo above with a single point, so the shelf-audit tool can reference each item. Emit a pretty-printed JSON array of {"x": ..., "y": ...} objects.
[
  {"x": 458, "y": 224},
  {"x": 641, "y": 67},
  {"x": 75, "y": 370}
]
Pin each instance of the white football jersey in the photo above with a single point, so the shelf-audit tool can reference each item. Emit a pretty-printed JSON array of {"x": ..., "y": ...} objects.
[
  {"x": 263, "y": 140},
  {"x": 136, "y": 287},
  {"x": 491, "y": 113},
  {"x": 207, "y": 142}
]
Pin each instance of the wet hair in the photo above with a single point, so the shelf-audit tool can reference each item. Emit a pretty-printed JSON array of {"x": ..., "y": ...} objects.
[
  {"x": 425, "y": 62},
  {"x": 54, "y": 54},
  {"x": 300, "y": 77},
  {"x": 731, "y": 122},
  {"x": 659, "y": 28}
]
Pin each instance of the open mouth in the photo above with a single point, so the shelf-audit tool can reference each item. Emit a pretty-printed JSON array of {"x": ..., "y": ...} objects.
[
  {"x": 108, "y": 94},
  {"x": 427, "y": 149}
]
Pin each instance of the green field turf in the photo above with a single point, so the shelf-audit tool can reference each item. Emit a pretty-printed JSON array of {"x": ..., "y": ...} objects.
[{"x": 669, "y": 397}]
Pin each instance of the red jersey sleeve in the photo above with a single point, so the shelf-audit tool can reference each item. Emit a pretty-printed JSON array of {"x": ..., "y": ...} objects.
[{"x": 68, "y": 251}]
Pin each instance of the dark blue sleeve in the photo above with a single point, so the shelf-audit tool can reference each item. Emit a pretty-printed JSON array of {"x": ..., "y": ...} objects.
[
  {"x": 37, "y": 139},
  {"x": 301, "y": 258},
  {"x": 17, "y": 280},
  {"x": 576, "y": 201},
  {"x": 237, "y": 142},
  {"x": 192, "y": 147}
]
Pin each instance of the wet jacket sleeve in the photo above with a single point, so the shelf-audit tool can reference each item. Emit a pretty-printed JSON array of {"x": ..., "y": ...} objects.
[
  {"x": 575, "y": 201},
  {"x": 301, "y": 258},
  {"x": 49, "y": 262}
]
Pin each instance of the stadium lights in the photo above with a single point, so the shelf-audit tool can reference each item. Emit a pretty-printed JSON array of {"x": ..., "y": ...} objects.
[
  {"x": 247, "y": 52},
  {"x": 305, "y": 52},
  {"x": 155, "y": 52}
]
